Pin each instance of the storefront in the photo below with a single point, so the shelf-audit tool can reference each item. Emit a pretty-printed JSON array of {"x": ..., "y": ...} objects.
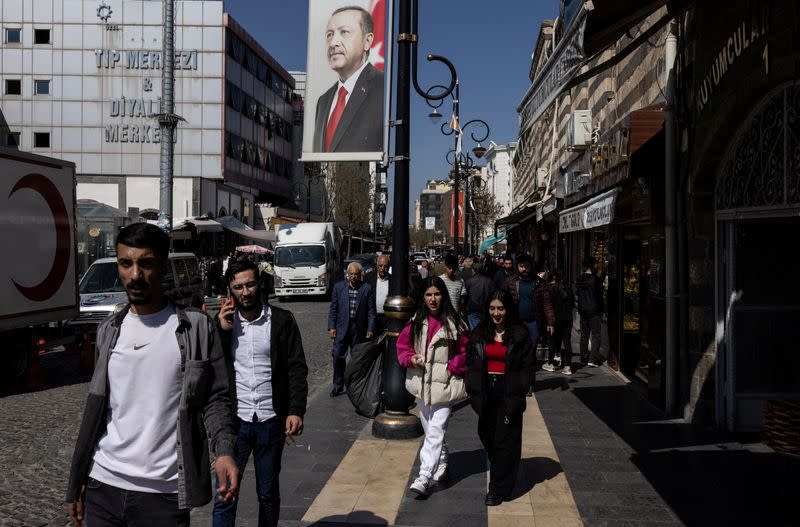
[
  {"x": 743, "y": 202},
  {"x": 620, "y": 222}
]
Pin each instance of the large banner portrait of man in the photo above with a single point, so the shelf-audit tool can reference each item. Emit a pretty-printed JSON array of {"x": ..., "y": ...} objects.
[{"x": 345, "y": 85}]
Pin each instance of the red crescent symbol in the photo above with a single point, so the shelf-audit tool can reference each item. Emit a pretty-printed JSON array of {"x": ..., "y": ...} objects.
[{"x": 52, "y": 282}]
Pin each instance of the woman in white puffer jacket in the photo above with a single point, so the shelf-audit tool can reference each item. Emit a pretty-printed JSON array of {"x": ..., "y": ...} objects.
[{"x": 433, "y": 348}]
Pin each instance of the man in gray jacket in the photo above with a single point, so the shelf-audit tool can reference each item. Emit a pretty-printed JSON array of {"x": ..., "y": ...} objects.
[{"x": 159, "y": 393}]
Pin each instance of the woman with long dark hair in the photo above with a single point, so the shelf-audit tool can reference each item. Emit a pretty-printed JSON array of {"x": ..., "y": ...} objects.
[
  {"x": 433, "y": 347},
  {"x": 499, "y": 365}
]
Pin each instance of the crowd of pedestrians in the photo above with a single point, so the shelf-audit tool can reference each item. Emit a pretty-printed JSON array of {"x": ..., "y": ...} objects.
[
  {"x": 173, "y": 388},
  {"x": 477, "y": 332}
]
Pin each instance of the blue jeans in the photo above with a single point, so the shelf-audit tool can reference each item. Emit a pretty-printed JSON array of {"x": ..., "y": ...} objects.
[
  {"x": 473, "y": 319},
  {"x": 265, "y": 441}
]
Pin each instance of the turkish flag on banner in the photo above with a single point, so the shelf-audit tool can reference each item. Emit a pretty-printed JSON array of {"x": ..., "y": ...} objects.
[
  {"x": 460, "y": 214},
  {"x": 377, "y": 51}
]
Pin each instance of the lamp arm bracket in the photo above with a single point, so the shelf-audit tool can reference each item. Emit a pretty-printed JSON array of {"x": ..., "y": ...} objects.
[
  {"x": 407, "y": 37},
  {"x": 396, "y": 122}
]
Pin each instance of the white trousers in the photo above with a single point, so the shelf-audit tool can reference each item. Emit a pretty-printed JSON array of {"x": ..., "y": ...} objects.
[{"x": 434, "y": 419}]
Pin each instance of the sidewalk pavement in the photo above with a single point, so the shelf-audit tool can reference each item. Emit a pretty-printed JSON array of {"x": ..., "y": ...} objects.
[{"x": 594, "y": 454}]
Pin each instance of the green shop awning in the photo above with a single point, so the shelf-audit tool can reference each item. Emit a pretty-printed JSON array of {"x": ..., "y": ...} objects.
[{"x": 491, "y": 240}]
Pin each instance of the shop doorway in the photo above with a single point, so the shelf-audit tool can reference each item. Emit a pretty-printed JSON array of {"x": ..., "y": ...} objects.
[
  {"x": 761, "y": 297},
  {"x": 757, "y": 202}
]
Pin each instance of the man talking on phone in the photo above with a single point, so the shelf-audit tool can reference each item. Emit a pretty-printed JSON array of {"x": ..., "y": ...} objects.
[{"x": 268, "y": 370}]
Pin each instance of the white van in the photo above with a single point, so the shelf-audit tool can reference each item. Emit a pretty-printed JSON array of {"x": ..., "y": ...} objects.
[
  {"x": 102, "y": 293},
  {"x": 307, "y": 259}
]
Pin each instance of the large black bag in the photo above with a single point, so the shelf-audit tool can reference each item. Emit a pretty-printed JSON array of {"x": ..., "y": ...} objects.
[{"x": 363, "y": 376}]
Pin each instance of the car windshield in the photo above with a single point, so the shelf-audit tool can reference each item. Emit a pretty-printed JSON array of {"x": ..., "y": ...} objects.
[
  {"x": 305, "y": 255},
  {"x": 101, "y": 278}
]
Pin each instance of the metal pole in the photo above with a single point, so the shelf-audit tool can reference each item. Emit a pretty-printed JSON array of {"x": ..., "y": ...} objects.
[
  {"x": 670, "y": 226},
  {"x": 308, "y": 199},
  {"x": 166, "y": 118},
  {"x": 456, "y": 170},
  {"x": 396, "y": 422},
  {"x": 467, "y": 214}
]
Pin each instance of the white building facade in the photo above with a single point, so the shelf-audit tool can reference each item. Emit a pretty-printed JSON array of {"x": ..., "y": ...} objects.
[
  {"x": 81, "y": 81},
  {"x": 498, "y": 174}
]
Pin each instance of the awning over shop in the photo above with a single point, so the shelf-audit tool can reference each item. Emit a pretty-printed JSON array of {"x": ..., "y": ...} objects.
[
  {"x": 201, "y": 224},
  {"x": 596, "y": 212},
  {"x": 205, "y": 225},
  {"x": 521, "y": 215},
  {"x": 491, "y": 240},
  {"x": 234, "y": 225},
  {"x": 89, "y": 208},
  {"x": 610, "y": 19}
]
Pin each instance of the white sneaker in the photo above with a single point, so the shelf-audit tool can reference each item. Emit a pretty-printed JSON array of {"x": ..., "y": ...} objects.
[
  {"x": 549, "y": 367},
  {"x": 592, "y": 364},
  {"x": 441, "y": 471},
  {"x": 421, "y": 486},
  {"x": 567, "y": 370}
]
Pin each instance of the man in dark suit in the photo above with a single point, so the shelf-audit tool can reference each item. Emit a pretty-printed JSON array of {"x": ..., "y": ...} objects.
[
  {"x": 349, "y": 115},
  {"x": 351, "y": 320}
]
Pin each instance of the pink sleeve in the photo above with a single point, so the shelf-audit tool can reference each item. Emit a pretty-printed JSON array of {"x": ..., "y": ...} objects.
[
  {"x": 405, "y": 348},
  {"x": 458, "y": 364}
]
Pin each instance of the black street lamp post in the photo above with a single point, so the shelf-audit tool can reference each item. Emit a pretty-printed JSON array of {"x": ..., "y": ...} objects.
[
  {"x": 460, "y": 160},
  {"x": 396, "y": 422}
]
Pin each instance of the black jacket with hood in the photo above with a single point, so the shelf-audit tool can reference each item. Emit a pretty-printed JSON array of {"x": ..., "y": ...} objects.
[{"x": 589, "y": 291}]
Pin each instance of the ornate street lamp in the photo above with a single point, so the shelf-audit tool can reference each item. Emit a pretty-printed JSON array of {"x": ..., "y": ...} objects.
[
  {"x": 396, "y": 422},
  {"x": 434, "y": 97}
]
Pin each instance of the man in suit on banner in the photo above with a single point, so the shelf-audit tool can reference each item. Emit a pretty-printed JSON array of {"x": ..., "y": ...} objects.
[{"x": 349, "y": 115}]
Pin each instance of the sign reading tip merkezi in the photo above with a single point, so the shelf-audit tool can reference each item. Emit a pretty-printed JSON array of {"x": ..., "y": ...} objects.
[{"x": 345, "y": 96}]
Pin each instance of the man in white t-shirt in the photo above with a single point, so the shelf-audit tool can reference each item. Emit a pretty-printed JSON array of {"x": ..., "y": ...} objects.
[
  {"x": 455, "y": 286},
  {"x": 265, "y": 353},
  {"x": 157, "y": 398}
]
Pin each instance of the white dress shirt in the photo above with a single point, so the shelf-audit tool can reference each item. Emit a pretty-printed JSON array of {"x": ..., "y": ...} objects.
[
  {"x": 381, "y": 292},
  {"x": 252, "y": 366},
  {"x": 349, "y": 85}
]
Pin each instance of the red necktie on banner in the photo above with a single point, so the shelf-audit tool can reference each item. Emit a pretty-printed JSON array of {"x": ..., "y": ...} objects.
[{"x": 333, "y": 122}]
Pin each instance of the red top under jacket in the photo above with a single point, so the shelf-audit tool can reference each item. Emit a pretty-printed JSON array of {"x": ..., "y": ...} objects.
[{"x": 496, "y": 357}]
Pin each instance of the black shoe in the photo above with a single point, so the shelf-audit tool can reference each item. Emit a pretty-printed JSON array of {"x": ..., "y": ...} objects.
[
  {"x": 492, "y": 499},
  {"x": 336, "y": 391}
]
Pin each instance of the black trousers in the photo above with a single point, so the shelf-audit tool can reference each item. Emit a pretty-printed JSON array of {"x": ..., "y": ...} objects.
[
  {"x": 108, "y": 506},
  {"x": 501, "y": 437},
  {"x": 590, "y": 325},
  {"x": 562, "y": 341}
]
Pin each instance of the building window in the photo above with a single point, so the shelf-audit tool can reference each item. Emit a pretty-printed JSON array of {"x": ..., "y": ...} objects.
[
  {"x": 13, "y": 35},
  {"x": 12, "y": 139},
  {"x": 41, "y": 87},
  {"x": 41, "y": 36},
  {"x": 41, "y": 139},
  {"x": 13, "y": 87}
]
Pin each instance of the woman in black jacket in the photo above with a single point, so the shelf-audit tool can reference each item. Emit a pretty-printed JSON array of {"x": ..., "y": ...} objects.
[{"x": 499, "y": 365}]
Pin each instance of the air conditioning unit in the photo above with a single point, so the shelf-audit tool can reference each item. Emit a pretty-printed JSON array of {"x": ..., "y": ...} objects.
[
  {"x": 579, "y": 133},
  {"x": 574, "y": 181},
  {"x": 541, "y": 177}
]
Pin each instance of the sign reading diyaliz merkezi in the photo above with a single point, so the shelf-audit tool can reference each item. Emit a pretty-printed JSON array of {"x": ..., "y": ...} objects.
[
  {"x": 146, "y": 106},
  {"x": 345, "y": 84}
]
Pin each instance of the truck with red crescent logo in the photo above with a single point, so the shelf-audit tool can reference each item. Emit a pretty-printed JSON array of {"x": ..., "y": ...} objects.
[{"x": 38, "y": 280}]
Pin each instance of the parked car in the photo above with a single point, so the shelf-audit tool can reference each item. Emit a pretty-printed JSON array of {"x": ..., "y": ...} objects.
[{"x": 102, "y": 293}]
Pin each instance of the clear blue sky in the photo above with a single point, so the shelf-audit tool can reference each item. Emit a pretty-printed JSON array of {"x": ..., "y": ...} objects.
[{"x": 490, "y": 44}]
